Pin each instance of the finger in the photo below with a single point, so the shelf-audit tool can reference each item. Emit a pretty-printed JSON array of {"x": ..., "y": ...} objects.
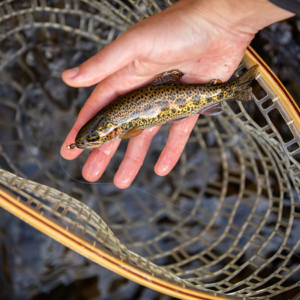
[
  {"x": 106, "y": 62},
  {"x": 178, "y": 136},
  {"x": 98, "y": 161},
  {"x": 138, "y": 42},
  {"x": 134, "y": 157}
]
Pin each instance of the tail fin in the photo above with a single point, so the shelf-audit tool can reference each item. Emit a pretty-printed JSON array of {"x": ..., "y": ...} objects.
[{"x": 242, "y": 88}]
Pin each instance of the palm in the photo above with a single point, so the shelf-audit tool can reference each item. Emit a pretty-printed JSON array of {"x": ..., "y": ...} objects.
[{"x": 169, "y": 40}]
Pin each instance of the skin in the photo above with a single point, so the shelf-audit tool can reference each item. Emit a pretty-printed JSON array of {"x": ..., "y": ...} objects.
[{"x": 205, "y": 39}]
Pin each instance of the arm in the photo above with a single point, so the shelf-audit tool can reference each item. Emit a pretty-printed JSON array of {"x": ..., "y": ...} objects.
[
  {"x": 291, "y": 5},
  {"x": 205, "y": 39}
]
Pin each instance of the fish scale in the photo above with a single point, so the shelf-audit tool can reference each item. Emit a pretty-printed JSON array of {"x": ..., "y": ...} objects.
[{"x": 160, "y": 102}]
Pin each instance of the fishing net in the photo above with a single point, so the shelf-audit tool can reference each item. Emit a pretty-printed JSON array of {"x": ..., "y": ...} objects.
[{"x": 224, "y": 224}]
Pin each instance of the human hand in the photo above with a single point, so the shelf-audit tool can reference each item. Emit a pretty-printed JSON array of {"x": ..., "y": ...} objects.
[{"x": 204, "y": 39}]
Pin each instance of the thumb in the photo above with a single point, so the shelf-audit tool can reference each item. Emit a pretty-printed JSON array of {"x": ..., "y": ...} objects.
[{"x": 109, "y": 60}]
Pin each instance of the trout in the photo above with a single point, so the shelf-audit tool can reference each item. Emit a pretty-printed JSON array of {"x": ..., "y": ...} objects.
[{"x": 162, "y": 101}]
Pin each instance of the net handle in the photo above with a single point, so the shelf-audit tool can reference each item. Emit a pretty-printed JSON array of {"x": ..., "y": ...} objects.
[{"x": 12, "y": 204}]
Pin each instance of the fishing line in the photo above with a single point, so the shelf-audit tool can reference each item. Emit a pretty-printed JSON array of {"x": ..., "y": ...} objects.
[{"x": 168, "y": 202}]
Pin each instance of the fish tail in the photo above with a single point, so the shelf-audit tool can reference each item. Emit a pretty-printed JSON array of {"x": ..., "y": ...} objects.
[{"x": 243, "y": 90}]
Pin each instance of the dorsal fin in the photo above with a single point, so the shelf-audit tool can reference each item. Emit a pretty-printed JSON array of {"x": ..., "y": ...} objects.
[
  {"x": 215, "y": 81},
  {"x": 169, "y": 77}
]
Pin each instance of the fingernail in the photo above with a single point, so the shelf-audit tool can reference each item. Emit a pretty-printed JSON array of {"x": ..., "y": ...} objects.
[
  {"x": 164, "y": 164},
  {"x": 123, "y": 176},
  {"x": 71, "y": 73}
]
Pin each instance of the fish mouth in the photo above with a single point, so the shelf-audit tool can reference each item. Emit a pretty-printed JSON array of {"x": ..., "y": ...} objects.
[
  {"x": 87, "y": 146},
  {"x": 90, "y": 145}
]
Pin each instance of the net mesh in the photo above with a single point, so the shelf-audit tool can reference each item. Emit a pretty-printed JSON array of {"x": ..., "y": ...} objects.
[{"x": 226, "y": 219}]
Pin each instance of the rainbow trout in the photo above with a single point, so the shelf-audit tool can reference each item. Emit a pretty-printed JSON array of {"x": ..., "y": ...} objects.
[{"x": 162, "y": 101}]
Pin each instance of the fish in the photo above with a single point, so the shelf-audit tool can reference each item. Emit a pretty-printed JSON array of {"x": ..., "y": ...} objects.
[{"x": 165, "y": 100}]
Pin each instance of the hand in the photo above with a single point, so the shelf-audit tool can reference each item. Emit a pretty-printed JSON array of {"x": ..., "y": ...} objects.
[{"x": 204, "y": 39}]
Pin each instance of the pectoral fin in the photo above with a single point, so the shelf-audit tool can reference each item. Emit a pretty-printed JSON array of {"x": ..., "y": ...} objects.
[
  {"x": 169, "y": 77},
  {"x": 177, "y": 120},
  {"x": 212, "y": 111},
  {"x": 135, "y": 131}
]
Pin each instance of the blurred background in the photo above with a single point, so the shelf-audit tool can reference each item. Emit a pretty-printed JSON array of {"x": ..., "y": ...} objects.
[{"x": 32, "y": 265}]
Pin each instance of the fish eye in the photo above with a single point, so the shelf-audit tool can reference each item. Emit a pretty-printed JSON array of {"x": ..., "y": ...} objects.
[{"x": 92, "y": 137}]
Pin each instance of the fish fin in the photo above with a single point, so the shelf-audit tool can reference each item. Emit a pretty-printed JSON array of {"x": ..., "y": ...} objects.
[
  {"x": 135, "y": 131},
  {"x": 244, "y": 95},
  {"x": 168, "y": 77},
  {"x": 177, "y": 120},
  {"x": 242, "y": 88},
  {"x": 212, "y": 110},
  {"x": 215, "y": 81},
  {"x": 247, "y": 77}
]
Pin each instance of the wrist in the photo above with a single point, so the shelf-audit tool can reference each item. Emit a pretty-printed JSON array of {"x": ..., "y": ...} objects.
[{"x": 246, "y": 17}]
